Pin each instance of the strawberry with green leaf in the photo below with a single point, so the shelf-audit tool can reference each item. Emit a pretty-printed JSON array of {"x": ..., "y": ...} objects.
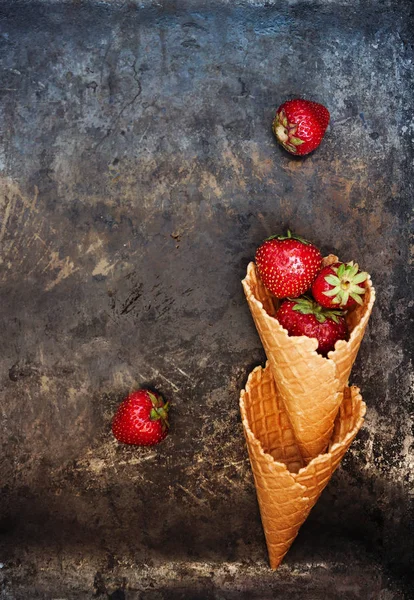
[
  {"x": 141, "y": 419},
  {"x": 340, "y": 285},
  {"x": 303, "y": 316},
  {"x": 299, "y": 125},
  {"x": 287, "y": 264}
]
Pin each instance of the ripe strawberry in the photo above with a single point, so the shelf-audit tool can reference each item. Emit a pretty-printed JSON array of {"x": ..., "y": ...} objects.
[
  {"x": 141, "y": 419},
  {"x": 287, "y": 265},
  {"x": 337, "y": 286},
  {"x": 303, "y": 316},
  {"x": 300, "y": 125}
]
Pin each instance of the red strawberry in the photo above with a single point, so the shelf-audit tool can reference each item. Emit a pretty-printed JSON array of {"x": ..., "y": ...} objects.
[
  {"x": 141, "y": 419},
  {"x": 287, "y": 265},
  {"x": 303, "y": 316},
  {"x": 338, "y": 286},
  {"x": 300, "y": 125}
]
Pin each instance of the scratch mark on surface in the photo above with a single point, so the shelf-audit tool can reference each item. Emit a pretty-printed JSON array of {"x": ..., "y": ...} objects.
[
  {"x": 103, "y": 267},
  {"x": 42, "y": 256},
  {"x": 143, "y": 135},
  {"x": 236, "y": 464},
  {"x": 132, "y": 299},
  {"x": 94, "y": 246},
  {"x": 123, "y": 109},
  {"x": 138, "y": 461},
  {"x": 233, "y": 483},
  {"x": 6, "y": 217},
  {"x": 179, "y": 370},
  {"x": 158, "y": 374},
  {"x": 208, "y": 180},
  {"x": 36, "y": 236},
  {"x": 193, "y": 496},
  {"x": 45, "y": 383},
  {"x": 184, "y": 373},
  {"x": 208, "y": 490},
  {"x": 65, "y": 265}
]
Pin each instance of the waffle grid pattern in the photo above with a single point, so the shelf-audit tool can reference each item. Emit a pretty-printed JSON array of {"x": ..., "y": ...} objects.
[
  {"x": 286, "y": 495},
  {"x": 272, "y": 426}
]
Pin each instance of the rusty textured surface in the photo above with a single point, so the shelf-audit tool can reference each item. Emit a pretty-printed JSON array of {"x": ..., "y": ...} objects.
[{"x": 138, "y": 173}]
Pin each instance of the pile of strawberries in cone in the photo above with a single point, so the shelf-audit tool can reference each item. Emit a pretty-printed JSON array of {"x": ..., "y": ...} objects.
[{"x": 299, "y": 414}]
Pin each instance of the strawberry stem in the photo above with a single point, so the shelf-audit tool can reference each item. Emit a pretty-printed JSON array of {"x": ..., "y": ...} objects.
[
  {"x": 159, "y": 409},
  {"x": 345, "y": 283},
  {"x": 282, "y": 133},
  {"x": 289, "y": 236}
]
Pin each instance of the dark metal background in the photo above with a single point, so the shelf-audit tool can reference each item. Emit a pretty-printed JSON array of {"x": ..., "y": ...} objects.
[{"x": 138, "y": 175}]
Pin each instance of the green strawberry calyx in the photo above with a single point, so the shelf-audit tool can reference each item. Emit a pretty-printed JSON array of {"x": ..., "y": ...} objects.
[
  {"x": 289, "y": 236},
  {"x": 307, "y": 306},
  {"x": 159, "y": 409},
  {"x": 286, "y": 132},
  {"x": 345, "y": 283}
]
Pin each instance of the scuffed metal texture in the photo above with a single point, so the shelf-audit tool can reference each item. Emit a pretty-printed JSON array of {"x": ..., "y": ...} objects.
[{"x": 138, "y": 175}]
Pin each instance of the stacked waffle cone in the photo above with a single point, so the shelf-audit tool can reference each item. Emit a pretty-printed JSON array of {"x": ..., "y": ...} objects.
[{"x": 299, "y": 415}]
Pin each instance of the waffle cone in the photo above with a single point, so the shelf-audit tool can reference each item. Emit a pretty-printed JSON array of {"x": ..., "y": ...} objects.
[
  {"x": 310, "y": 386},
  {"x": 287, "y": 490}
]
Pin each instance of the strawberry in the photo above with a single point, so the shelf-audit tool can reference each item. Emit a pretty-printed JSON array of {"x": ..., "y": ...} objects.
[
  {"x": 299, "y": 125},
  {"x": 141, "y": 419},
  {"x": 287, "y": 265},
  {"x": 338, "y": 286},
  {"x": 303, "y": 316}
]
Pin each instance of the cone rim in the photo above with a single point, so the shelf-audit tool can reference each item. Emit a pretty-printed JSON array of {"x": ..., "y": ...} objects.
[
  {"x": 330, "y": 449},
  {"x": 311, "y": 343}
]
